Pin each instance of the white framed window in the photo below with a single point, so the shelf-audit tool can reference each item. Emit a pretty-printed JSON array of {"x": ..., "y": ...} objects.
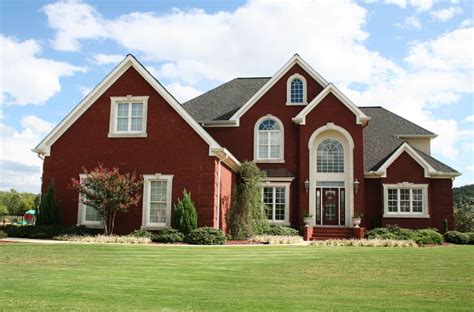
[
  {"x": 87, "y": 215},
  {"x": 405, "y": 200},
  {"x": 330, "y": 157},
  {"x": 128, "y": 116},
  {"x": 296, "y": 90},
  {"x": 276, "y": 202},
  {"x": 269, "y": 140},
  {"x": 157, "y": 191}
]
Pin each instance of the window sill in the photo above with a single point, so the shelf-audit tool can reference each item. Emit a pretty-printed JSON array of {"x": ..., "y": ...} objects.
[
  {"x": 127, "y": 135},
  {"x": 270, "y": 161},
  {"x": 405, "y": 216},
  {"x": 296, "y": 104},
  {"x": 155, "y": 227}
]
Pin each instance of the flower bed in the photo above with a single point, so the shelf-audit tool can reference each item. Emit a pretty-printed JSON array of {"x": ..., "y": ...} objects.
[
  {"x": 104, "y": 239},
  {"x": 365, "y": 243}
]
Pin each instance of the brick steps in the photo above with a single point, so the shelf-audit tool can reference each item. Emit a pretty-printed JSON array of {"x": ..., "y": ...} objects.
[{"x": 325, "y": 233}]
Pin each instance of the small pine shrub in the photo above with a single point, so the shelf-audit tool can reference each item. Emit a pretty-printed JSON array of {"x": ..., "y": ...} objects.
[
  {"x": 455, "y": 237},
  {"x": 169, "y": 236},
  {"x": 280, "y": 230},
  {"x": 205, "y": 236},
  {"x": 48, "y": 213},
  {"x": 142, "y": 233},
  {"x": 3, "y": 235},
  {"x": 185, "y": 214}
]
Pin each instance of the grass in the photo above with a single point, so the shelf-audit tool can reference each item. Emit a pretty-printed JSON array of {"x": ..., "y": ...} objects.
[{"x": 112, "y": 277}]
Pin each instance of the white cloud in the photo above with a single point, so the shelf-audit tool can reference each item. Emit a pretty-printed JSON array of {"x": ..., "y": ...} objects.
[
  {"x": 73, "y": 20},
  {"x": 102, "y": 59},
  {"x": 470, "y": 118},
  {"x": 410, "y": 22},
  {"x": 85, "y": 90},
  {"x": 20, "y": 168},
  {"x": 182, "y": 93},
  {"x": 21, "y": 67},
  {"x": 467, "y": 23},
  {"x": 400, "y": 3},
  {"x": 420, "y": 5},
  {"x": 446, "y": 14}
]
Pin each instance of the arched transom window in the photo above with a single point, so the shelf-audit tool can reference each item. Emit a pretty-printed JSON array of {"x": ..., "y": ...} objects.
[
  {"x": 297, "y": 91},
  {"x": 269, "y": 140},
  {"x": 330, "y": 156}
]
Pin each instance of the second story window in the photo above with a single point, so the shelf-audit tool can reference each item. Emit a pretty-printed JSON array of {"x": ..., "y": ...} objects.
[
  {"x": 269, "y": 140},
  {"x": 296, "y": 90},
  {"x": 128, "y": 116}
]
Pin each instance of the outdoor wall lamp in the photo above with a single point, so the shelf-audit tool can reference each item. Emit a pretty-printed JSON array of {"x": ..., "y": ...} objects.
[
  {"x": 306, "y": 185},
  {"x": 356, "y": 186}
]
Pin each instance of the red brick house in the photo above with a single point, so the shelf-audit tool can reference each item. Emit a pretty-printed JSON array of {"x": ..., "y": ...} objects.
[{"x": 323, "y": 155}]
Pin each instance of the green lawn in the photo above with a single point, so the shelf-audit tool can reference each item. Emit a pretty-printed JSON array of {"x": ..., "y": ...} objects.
[{"x": 113, "y": 277}]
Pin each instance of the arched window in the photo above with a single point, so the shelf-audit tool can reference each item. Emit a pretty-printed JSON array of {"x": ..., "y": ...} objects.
[
  {"x": 269, "y": 140},
  {"x": 297, "y": 91},
  {"x": 330, "y": 157}
]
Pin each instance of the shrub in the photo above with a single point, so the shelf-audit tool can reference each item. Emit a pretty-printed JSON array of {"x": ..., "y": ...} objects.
[
  {"x": 142, "y": 233},
  {"x": 393, "y": 232},
  {"x": 280, "y": 230},
  {"x": 3, "y": 234},
  {"x": 427, "y": 236},
  {"x": 185, "y": 214},
  {"x": 169, "y": 236},
  {"x": 205, "y": 236},
  {"x": 104, "y": 239},
  {"x": 365, "y": 243},
  {"x": 278, "y": 239},
  {"x": 45, "y": 231},
  {"x": 78, "y": 231},
  {"x": 456, "y": 237},
  {"x": 48, "y": 213}
]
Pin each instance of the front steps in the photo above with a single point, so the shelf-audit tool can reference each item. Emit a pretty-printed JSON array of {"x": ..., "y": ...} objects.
[{"x": 332, "y": 232}]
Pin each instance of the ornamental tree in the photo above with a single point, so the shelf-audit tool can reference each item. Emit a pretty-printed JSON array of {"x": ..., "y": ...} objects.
[
  {"x": 185, "y": 214},
  {"x": 109, "y": 192}
]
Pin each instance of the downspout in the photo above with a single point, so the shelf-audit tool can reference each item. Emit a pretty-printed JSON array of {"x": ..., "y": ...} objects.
[{"x": 219, "y": 193}]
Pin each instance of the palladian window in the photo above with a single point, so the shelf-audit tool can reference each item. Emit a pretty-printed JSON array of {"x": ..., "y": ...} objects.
[{"x": 330, "y": 157}]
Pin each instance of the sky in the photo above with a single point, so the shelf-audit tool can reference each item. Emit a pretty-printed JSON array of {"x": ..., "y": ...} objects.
[{"x": 413, "y": 57}]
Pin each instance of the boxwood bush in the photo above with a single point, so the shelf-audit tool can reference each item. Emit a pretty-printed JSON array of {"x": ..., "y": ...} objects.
[
  {"x": 142, "y": 233},
  {"x": 421, "y": 237},
  {"x": 168, "y": 236},
  {"x": 205, "y": 236},
  {"x": 280, "y": 230},
  {"x": 3, "y": 234},
  {"x": 46, "y": 231},
  {"x": 427, "y": 236},
  {"x": 456, "y": 237}
]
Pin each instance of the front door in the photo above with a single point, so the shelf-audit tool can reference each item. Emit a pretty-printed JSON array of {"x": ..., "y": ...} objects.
[{"x": 330, "y": 206}]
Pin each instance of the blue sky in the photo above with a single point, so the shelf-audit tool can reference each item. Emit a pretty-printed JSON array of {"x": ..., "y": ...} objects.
[{"x": 414, "y": 57}]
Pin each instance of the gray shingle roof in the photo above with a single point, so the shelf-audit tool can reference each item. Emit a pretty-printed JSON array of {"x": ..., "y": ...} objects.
[{"x": 223, "y": 101}]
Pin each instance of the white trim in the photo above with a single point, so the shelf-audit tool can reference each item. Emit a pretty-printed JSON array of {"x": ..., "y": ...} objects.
[
  {"x": 287, "y": 186},
  {"x": 114, "y": 101},
  {"x": 288, "y": 90},
  {"x": 81, "y": 212},
  {"x": 281, "y": 159},
  {"x": 300, "y": 119},
  {"x": 279, "y": 179},
  {"x": 411, "y": 214},
  {"x": 347, "y": 176},
  {"x": 44, "y": 147},
  {"x": 147, "y": 179},
  {"x": 296, "y": 59}
]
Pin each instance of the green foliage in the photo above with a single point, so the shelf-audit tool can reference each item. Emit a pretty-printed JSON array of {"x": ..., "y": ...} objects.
[
  {"x": 455, "y": 237},
  {"x": 205, "y": 236},
  {"x": 48, "y": 213},
  {"x": 422, "y": 237},
  {"x": 185, "y": 214},
  {"x": 280, "y": 230},
  {"x": 46, "y": 231},
  {"x": 109, "y": 192},
  {"x": 471, "y": 238},
  {"x": 463, "y": 193},
  {"x": 3, "y": 234},
  {"x": 464, "y": 208},
  {"x": 245, "y": 216},
  {"x": 142, "y": 233},
  {"x": 168, "y": 236},
  {"x": 445, "y": 225},
  {"x": 15, "y": 203}
]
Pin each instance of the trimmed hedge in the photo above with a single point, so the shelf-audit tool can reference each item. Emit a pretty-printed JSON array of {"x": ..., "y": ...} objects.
[
  {"x": 421, "y": 237},
  {"x": 205, "y": 236},
  {"x": 280, "y": 230},
  {"x": 3, "y": 234},
  {"x": 455, "y": 237},
  {"x": 46, "y": 231},
  {"x": 168, "y": 236}
]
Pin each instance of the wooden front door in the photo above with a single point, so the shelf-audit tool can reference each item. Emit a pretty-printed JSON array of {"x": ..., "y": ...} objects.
[{"x": 330, "y": 206}]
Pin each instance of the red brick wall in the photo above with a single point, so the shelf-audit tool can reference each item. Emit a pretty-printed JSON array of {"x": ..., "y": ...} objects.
[
  {"x": 85, "y": 144},
  {"x": 406, "y": 169},
  {"x": 228, "y": 180}
]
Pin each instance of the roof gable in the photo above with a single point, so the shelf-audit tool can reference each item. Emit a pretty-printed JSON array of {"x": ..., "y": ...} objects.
[{"x": 330, "y": 88}]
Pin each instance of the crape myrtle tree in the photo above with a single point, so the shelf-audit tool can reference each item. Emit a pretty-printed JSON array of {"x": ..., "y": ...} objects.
[
  {"x": 109, "y": 192},
  {"x": 245, "y": 216}
]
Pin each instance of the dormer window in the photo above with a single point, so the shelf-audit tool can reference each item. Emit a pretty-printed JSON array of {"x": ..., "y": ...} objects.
[
  {"x": 128, "y": 116},
  {"x": 296, "y": 90}
]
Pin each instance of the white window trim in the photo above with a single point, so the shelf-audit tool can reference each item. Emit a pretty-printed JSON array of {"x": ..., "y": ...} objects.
[
  {"x": 411, "y": 186},
  {"x": 114, "y": 100},
  {"x": 281, "y": 159},
  {"x": 81, "y": 211},
  {"x": 288, "y": 90},
  {"x": 147, "y": 178},
  {"x": 287, "y": 201}
]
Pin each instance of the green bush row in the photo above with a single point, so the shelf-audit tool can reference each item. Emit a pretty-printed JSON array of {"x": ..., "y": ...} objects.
[
  {"x": 46, "y": 231},
  {"x": 455, "y": 237},
  {"x": 280, "y": 230},
  {"x": 421, "y": 237},
  {"x": 199, "y": 236}
]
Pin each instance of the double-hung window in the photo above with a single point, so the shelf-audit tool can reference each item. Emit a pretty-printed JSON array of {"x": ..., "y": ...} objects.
[
  {"x": 269, "y": 140},
  {"x": 405, "y": 200},
  {"x": 275, "y": 198},
  {"x": 157, "y": 201},
  {"x": 128, "y": 116}
]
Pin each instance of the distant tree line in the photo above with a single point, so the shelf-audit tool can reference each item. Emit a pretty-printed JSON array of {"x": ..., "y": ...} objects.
[
  {"x": 464, "y": 208},
  {"x": 17, "y": 203}
]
